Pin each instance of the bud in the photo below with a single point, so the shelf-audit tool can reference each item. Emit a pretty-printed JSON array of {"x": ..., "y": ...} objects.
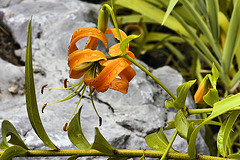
[
  {"x": 103, "y": 19},
  {"x": 202, "y": 90}
]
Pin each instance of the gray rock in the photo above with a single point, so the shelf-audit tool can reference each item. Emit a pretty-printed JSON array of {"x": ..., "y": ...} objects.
[{"x": 127, "y": 118}]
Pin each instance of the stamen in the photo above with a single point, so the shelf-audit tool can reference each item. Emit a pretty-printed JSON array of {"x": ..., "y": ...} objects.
[
  {"x": 84, "y": 87},
  {"x": 43, "y": 88},
  {"x": 65, "y": 83},
  {"x": 100, "y": 118},
  {"x": 43, "y": 107},
  {"x": 66, "y": 127}
]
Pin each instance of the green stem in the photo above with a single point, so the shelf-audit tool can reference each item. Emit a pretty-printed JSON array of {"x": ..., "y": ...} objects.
[
  {"x": 120, "y": 153},
  {"x": 150, "y": 74},
  {"x": 114, "y": 19},
  {"x": 169, "y": 146},
  {"x": 208, "y": 110}
]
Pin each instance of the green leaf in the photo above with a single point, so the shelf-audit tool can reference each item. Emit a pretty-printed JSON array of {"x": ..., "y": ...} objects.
[
  {"x": 213, "y": 9},
  {"x": 101, "y": 144},
  {"x": 234, "y": 156},
  {"x": 224, "y": 132},
  {"x": 215, "y": 76},
  {"x": 181, "y": 124},
  {"x": 171, "y": 5},
  {"x": 12, "y": 152},
  {"x": 158, "y": 141},
  {"x": 190, "y": 130},
  {"x": 31, "y": 101},
  {"x": 125, "y": 42},
  {"x": 231, "y": 39},
  {"x": 9, "y": 130},
  {"x": 169, "y": 103},
  {"x": 211, "y": 97},
  {"x": 152, "y": 12},
  {"x": 182, "y": 92},
  {"x": 171, "y": 124},
  {"x": 73, "y": 157},
  {"x": 117, "y": 158},
  {"x": 218, "y": 109},
  {"x": 75, "y": 133}
]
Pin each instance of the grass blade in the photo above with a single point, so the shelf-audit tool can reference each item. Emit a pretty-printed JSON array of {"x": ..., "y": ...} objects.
[{"x": 31, "y": 101}]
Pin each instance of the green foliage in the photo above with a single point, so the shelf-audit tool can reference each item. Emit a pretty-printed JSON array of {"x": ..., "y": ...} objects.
[
  {"x": 12, "y": 152},
  {"x": 9, "y": 130},
  {"x": 31, "y": 102}
]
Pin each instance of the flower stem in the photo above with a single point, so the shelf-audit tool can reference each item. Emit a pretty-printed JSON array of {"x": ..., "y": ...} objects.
[
  {"x": 114, "y": 19},
  {"x": 169, "y": 146},
  {"x": 150, "y": 74}
]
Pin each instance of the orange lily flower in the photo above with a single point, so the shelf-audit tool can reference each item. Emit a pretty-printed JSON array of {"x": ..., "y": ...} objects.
[{"x": 88, "y": 61}]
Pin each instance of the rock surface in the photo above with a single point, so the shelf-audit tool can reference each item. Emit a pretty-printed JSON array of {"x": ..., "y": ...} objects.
[{"x": 127, "y": 119}]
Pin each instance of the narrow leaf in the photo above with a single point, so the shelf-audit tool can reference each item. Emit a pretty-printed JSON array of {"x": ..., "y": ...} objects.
[
  {"x": 9, "y": 130},
  {"x": 224, "y": 132},
  {"x": 12, "y": 152},
  {"x": 181, "y": 124},
  {"x": 234, "y": 156},
  {"x": 158, "y": 141},
  {"x": 31, "y": 101},
  {"x": 190, "y": 130},
  {"x": 231, "y": 39},
  {"x": 75, "y": 133},
  {"x": 101, "y": 144},
  {"x": 171, "y": 5}
]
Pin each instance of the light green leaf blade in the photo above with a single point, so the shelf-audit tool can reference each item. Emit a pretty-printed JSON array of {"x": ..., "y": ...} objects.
[
  {"x": 158, "y": 141},
  {"x": 234, "y": 156},
  {"x": 215, "y": 75},
  {"x": 231, "y": 39},
  {"x": 9, "y": 130},
  {"x": 181, "y": 124},
  {"x": 101, "y": 144},
  {"x": 152, "y": 12},
  {"x": 169, "y": 103},
  {"x": 190, "y": 130},
  {"x": 171, "y": 5},
  {"x": 218, "y": 109},
  {"x": 125, "y": 42},
  {"x": 213, "y": 9},
  {"x": 12, "y": 152},
  {"x": 75, "y": 133},
  {"x": 182, "y": 92},
  {"x": 211, "y": 97},
  {"x": 31, "y": 101},
  {"x": 223, "y": 134}
]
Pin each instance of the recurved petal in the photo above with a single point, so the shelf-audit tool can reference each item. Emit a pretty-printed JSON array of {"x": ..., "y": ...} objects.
[
  {"x": 128, "y": 73},
  {"x": 120, "y": 85},
  {"x": 86, "y": 32},
  {"x": 107, "y": 75},
  {"x": 114, "y": 32},
  {"x": 92, "y": 43}
]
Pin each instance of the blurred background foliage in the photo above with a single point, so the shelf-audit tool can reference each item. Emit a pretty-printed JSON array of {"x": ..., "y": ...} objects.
[{"x": 192, "y": 38}]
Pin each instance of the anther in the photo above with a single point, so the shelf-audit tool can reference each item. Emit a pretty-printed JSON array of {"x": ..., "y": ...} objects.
[
  {"x": 65, "y": 83},
  {"x": 43, "y": 88},
  {"x": 43, "y": 107},
  {"x": 66, "y": 127},
  {"x": 100, "y": 121}
]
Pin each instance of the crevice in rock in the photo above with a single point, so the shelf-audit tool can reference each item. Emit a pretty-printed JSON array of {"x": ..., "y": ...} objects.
[{"x": 8, "y": 45}]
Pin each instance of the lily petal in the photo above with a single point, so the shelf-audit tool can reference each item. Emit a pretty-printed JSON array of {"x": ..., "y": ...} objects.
[
  {"x": 120, "y": 85},
  {"x": 107, "y": 75},
  {"x": 114, "y": 32},
  {"x": 77, "y": 61},
  {"x": 86, "y": 32}
]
